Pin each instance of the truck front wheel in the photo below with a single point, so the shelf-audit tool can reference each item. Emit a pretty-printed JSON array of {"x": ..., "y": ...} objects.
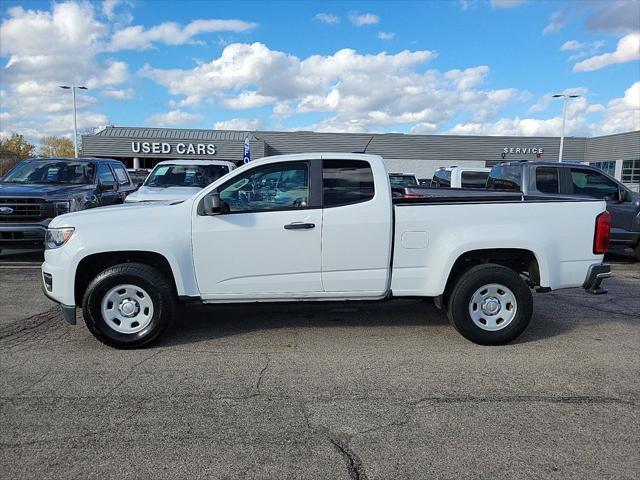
[
  {"x": 128, "y": 305},
  {"x": 490, "y": 304}
]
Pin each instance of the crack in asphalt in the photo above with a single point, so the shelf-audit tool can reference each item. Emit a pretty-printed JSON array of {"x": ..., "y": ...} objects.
[
  {"x": 351, "y": 459},
  {"x": 261, "y": 376},
  {"x": 132, "y": 371}
]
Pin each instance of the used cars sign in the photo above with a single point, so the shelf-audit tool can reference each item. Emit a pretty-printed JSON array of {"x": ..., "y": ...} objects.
[{"x": 180, "y": 148}]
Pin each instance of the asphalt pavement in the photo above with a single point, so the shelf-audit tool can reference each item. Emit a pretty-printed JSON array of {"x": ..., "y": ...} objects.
[{"x": 323, "y": 391}]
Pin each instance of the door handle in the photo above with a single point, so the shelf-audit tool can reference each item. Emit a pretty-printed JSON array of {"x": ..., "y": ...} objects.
[{"x": 299, "y": 226}]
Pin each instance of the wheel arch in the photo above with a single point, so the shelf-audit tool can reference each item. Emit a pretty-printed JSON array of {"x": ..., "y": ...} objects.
[
  {"x": 91, "y": 265},
  {"x": 521, "y": 260}
]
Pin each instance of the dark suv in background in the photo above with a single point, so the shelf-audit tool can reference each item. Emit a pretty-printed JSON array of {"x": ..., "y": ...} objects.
[
  {"x": 569, "y": 179},
  {"x": 36, "y": 190}
]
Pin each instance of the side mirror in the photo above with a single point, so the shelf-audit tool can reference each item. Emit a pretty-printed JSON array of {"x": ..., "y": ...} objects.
[{"x": 211, "y": 204}]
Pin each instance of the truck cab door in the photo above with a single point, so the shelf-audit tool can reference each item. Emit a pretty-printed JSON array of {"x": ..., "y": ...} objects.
[
  {"x": 265, "y": 243},
  {"x": 356, "y": 227},
  {"x": 588, "y": 182},
  {"x": 107, "y": 185}
]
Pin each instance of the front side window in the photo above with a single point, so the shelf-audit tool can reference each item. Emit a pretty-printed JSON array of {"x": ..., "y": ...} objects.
[
  {"x": 346, "y": 181},
  {"x": 167, "y": 175},
  {"x": 474, "y": 179},
  {"x": 273, "y": 187},
  {"x": 592, "y": 184},
  {"x": 547, "y": 180},
  {"x": 60, "y": 172},
  {"x": 105, "y": 175}
]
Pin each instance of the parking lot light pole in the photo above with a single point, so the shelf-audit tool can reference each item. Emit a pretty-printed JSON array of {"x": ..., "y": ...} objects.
[
  {"x": 564, "y": 118},
  {"x": 75, "y": 120}
]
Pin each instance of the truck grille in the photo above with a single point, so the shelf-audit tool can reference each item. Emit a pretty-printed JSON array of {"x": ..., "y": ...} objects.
[{"x": 17, "y": 210}]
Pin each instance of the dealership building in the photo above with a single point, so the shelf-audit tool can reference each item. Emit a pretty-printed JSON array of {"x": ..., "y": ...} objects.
[{"x": 138, "y": 147}]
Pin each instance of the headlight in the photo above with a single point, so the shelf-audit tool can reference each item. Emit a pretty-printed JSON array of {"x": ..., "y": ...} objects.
[
  {"x": 56, "y": 237},
  {"x": 62, "y": 207}
]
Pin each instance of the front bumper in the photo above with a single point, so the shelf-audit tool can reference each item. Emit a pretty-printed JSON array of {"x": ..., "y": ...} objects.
[
  {"x": 596, "y": 274},
  {"x": 18, "y": 235},
  {"x": 68, "y": 311}
]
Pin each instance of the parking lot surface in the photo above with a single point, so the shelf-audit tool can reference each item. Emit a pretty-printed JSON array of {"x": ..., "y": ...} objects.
[{"x": 323, "y": 391}]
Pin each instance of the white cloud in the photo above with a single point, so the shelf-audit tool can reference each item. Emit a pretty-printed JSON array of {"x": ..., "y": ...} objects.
[
  {"x": 247, "y": 99},
  {"x": 137, "y": 37},
  {"x": 628, "y": 50},
  {"x": 360, "y": 19},
  {"x": 117, "y": 12},
  {"x": 41, "y": 49},
  {"x": 619, "y": 115},
  {"x": 399, "y": 91},
  {"x": 239, "y": 124},
  {"x": 506, "y": 3},
  {"x": 571, "y": 45},
  {"x": 386, "y": 35},
  {"x": 623, "y": 114},
  {"x": 556, "y": 22},
  {"x": 328, "y": 18},
  {"x": 119, "y": 94},
  {"x": 174, "y": 118},
  {"x": 45, "y": 49},
  {"x": 618, "y": 17}
]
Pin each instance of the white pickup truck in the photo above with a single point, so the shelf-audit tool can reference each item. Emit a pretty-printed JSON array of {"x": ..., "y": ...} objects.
[{"x": 314, "y": 227}]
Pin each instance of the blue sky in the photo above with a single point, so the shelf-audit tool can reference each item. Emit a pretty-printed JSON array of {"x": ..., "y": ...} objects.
[{"x": 459, "y": 67}]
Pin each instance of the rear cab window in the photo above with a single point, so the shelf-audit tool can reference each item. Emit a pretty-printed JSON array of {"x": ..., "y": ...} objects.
[
  {"x": 345, "y": 182},
  {"x": 473, "y": 179},
  {"x": 547, "y": 180},
  {"x": 505, "y": 177}
]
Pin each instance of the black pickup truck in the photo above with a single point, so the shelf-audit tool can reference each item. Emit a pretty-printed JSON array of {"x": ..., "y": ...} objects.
[
  {"x": 576, "y": 180},
  {"x": 36, "y": 190}
]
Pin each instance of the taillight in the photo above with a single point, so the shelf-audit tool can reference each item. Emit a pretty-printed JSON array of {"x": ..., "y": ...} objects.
[{"x": 602, "y": 234}]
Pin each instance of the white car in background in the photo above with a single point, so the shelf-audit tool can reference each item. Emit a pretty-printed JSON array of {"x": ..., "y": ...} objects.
[
  {"x": 179, "y": 179},
  {"x": 460, "y": 177}
]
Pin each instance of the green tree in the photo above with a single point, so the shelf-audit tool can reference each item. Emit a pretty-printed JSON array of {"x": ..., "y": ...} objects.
[
  {"x": 56, "y": 147},
  {"x": 17, "y": 144}
]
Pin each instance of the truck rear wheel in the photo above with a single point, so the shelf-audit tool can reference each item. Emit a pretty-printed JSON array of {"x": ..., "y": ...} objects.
[
  {"x": 490, "y": 305},
  {"x": 128, "y": 305}
]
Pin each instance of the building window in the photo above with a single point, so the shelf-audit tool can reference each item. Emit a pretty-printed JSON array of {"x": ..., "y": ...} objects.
[
  {"x": 631, "y": 171},
  {"x": 607, "y": 167}
]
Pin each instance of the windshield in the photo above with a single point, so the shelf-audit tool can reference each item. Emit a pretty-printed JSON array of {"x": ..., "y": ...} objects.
[
  {"x": 185, "y": 175},
  {"x": 52, "y": 171},
  {"x": 402, "y": 180}
]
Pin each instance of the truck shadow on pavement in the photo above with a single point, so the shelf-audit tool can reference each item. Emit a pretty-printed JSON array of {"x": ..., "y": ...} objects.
[{"x": 555, "y": 314}]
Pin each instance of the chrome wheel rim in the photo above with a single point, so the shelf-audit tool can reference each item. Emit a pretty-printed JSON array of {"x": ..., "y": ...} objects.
[
  {"x": 127, "y": 308},
  {"x": 493, "y": 307}
]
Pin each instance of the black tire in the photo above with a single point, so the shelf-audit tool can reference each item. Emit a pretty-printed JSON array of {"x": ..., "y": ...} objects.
[
  {"x": 636, "y": 251},
  {"x": 472, "y": 281},
  {"x": 154, "y": 283}
]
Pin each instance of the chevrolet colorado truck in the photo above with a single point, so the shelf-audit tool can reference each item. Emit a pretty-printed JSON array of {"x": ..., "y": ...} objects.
[
  {"x": 320, "y": 227},
  {"x": 36, "y": 190}
]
